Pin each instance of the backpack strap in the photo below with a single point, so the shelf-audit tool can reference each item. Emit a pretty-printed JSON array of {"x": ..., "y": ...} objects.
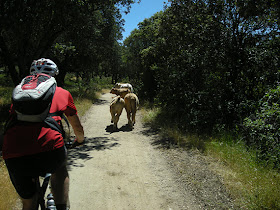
[{"x": 52, "y": 123}]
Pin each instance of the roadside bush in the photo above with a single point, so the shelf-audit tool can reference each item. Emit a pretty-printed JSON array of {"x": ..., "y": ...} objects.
[
  {"x": 262, "y": 129},
  {"x": 6, "y": 90}
]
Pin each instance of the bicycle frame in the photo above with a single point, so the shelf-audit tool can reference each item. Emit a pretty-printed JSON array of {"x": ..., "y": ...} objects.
[
  {"x": 42, "y": 190},
  {"x": 41, "y": 202}
]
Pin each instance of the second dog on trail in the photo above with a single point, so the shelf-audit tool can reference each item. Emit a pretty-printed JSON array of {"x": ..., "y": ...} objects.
[
  {"x": 131, "y": 102},
  {"x": 116, "y": 108}
]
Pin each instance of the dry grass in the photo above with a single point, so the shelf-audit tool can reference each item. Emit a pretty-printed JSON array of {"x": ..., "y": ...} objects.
[
  {"x": 83, "y": 104},
  {"x": 8, "y": 195},
  {"x": 149, "y": 115},
  {"x": 171, "y": 132},
  {"x": 252, "y": 185}
]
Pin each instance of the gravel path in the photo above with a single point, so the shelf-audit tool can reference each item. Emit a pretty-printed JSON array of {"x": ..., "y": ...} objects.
[{"x": 130, "y": 169}]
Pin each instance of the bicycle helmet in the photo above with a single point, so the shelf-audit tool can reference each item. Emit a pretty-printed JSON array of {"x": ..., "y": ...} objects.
[{"x": 45, "y": 66}]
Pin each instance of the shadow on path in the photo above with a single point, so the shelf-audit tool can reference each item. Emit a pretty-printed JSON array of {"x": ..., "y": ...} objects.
[
  {"x": 124, "y": 128},
  {"x": 83, "y": 152},
  {"x": 159, "y": 141},
  {"x": 100, "y": 102}
]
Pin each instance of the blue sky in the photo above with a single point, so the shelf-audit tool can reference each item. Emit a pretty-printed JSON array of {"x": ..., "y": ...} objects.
[{"x": 139, "y": 12}]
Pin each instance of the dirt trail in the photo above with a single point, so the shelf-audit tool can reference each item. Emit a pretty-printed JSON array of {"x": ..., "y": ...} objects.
[{"x": 129, "y": 170}]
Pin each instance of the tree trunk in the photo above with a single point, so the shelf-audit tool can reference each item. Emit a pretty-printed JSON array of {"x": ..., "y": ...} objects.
[
  {"x": 8, "y": 61},
  {"x": 60, "y": 78},
  {"x": 14, "y": 75}
]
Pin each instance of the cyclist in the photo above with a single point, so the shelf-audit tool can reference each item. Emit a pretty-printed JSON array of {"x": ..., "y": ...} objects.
[{"x": 32, "y": 149}]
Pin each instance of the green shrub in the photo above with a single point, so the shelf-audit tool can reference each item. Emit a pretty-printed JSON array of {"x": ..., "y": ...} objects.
[{"x": 262, "y": 130}]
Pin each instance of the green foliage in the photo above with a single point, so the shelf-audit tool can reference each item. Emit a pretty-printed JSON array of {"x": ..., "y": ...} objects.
[
  {"x": 53, "y": 29},
  {"x": 6, "y": 89},
  {"x": 140, "y": 56},
  {"x": 262, "y": 129},
  {"x": 63, "y": 49},
  {"x": 251, "y": 185},
  {"x": 80, "y": 88},
  {"x": 204, "y": 61}
]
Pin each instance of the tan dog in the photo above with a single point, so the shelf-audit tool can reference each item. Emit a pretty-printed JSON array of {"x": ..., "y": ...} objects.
[
  {"x": 131, "y": 105},
  {"x": 116, "y": 108},
  {"x": 120, "y": 91}
]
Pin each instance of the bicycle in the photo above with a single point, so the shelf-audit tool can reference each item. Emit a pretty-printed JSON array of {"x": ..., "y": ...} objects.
[
  {"x": 41, "y": 193},
  {"x": 49, "y": 203}
]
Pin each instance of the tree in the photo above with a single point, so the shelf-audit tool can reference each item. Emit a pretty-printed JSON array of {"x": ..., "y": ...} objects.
[
  {"x": 209, "y": 49},
  {"x": 140, "y": 57},
  {"x": 29, "y": 28},
  {"x": 212, "y": 60}
]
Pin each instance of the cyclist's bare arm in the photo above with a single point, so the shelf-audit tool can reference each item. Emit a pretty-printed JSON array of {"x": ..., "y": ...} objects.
[{"x": 77, "y": 127}]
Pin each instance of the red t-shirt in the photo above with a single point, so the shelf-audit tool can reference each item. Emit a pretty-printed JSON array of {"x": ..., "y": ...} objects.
[{"x": 32, "y": 138}]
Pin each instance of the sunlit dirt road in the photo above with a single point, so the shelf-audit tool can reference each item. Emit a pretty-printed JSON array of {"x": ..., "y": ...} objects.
[{"x": 131, "y": 169}]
